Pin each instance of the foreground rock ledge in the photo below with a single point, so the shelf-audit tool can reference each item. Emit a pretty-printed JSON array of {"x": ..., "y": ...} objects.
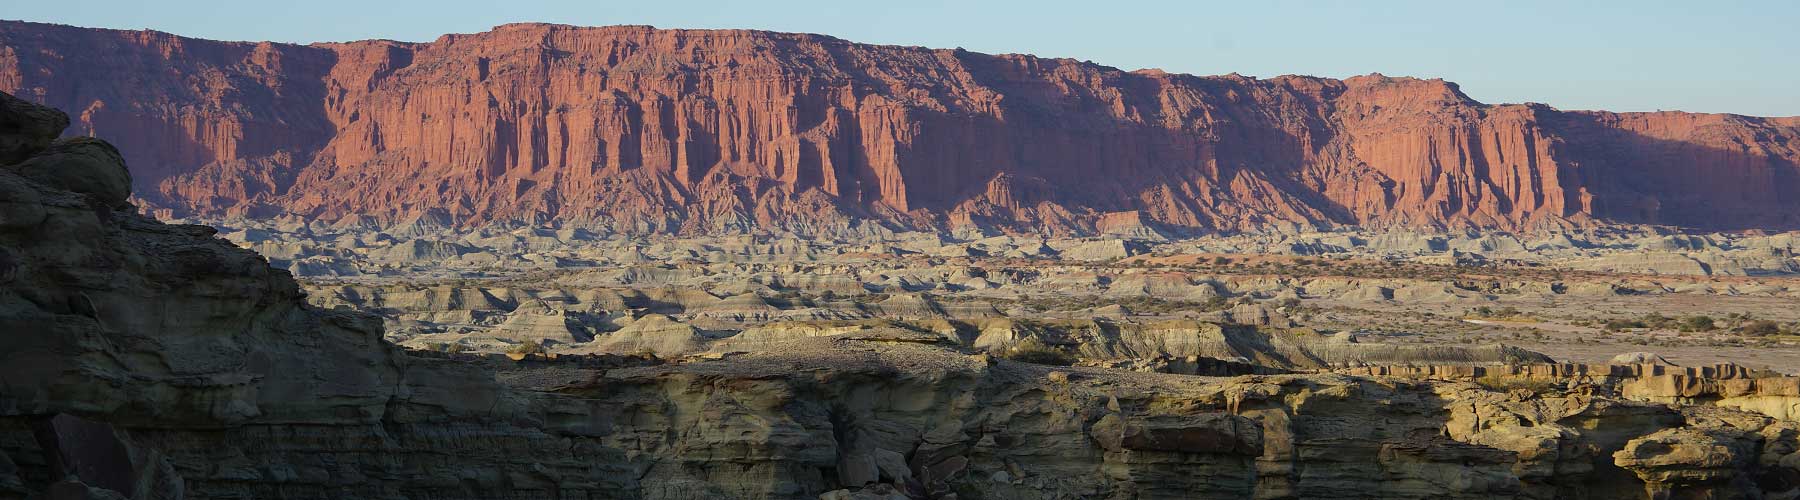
[{"x": 144, "y": 360}]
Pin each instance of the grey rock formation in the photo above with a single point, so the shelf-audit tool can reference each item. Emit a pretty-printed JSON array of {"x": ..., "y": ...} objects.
[
  {"x": 27, "y": 128},
  {"x": 1634, "y": 358},
  {"x": 82, "y": 165}
]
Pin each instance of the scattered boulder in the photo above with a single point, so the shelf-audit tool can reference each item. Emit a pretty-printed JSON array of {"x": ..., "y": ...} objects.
[
  {"x": 1639, "y": 358},
  {"x": 892, "y": 465},
  {"x": 1674, "y": 463}
]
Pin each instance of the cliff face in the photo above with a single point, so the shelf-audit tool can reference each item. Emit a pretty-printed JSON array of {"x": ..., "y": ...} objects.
[{"x": 695, "y": 131}]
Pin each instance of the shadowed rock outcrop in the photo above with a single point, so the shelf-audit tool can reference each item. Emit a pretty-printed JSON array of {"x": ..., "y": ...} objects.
[{"x": 638, "y": 129}]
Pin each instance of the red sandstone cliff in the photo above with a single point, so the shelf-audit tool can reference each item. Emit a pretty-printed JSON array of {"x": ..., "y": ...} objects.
[{"x": 687, "y": 130}]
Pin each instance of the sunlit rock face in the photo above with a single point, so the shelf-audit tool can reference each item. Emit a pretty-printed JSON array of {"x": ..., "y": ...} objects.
[{"x": 698, "y": 131}]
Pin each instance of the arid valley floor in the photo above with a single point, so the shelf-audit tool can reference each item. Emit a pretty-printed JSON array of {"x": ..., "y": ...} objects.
[{"x": 1381, "y": 298}]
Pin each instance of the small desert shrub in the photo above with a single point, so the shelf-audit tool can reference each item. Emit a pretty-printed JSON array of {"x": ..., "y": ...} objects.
[
  {"x": 1623, "y": 324},
  {"x": 1035, "y": 352},
  {"x": 527, "y": 348},
  {"x": 446, "y": 347},
  {"x": 1698, "y": 324},
  {"x": 1660, "y": 322},
  {"x": 1501, "y": 313},
  {"x": 1215, "y": 303},
  {"x": 1760, "y": 328}
]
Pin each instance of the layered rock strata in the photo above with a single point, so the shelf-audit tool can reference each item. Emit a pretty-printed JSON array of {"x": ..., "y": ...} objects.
[{"x": 637, "y": 129}]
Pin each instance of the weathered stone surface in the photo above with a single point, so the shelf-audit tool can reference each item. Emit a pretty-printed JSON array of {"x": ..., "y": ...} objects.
[
  {"x": 1673, "y": 463},
  {"x": 86, "y": 449},
  {"x": 1639, "y": 358},
  {"x": 27, "y": 128},
  {"x": 20, "y": 205},
  {"x": 1210, "y": 433},
  {"x": 83, "y": 165}
]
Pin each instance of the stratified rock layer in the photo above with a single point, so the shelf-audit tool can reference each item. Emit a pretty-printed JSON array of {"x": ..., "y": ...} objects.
[{"x": 641, "y": 129}]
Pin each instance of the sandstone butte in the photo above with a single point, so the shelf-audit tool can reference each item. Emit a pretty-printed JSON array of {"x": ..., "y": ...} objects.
[{"x": 690, "y": 131}]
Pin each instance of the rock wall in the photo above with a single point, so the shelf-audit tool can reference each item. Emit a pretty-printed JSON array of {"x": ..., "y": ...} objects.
[
  {"x": 1777, "y": 397},
  {"x": 1724, "y": 385},
  {"x": 143, "y": 360},
  {"x": 692, "y": 131}
]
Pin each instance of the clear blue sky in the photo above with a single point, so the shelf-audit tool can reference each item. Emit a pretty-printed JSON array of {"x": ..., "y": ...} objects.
[{"x": 1694, "y": 55}]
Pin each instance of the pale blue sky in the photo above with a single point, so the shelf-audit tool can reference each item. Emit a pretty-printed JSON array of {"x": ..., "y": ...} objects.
[{"x": 1694, "y": 55}]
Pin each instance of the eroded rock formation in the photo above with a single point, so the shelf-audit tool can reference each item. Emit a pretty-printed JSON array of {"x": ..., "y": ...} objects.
[
  {"x": 145, "y": 360},
  {"x": 638, "y": 129}
]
